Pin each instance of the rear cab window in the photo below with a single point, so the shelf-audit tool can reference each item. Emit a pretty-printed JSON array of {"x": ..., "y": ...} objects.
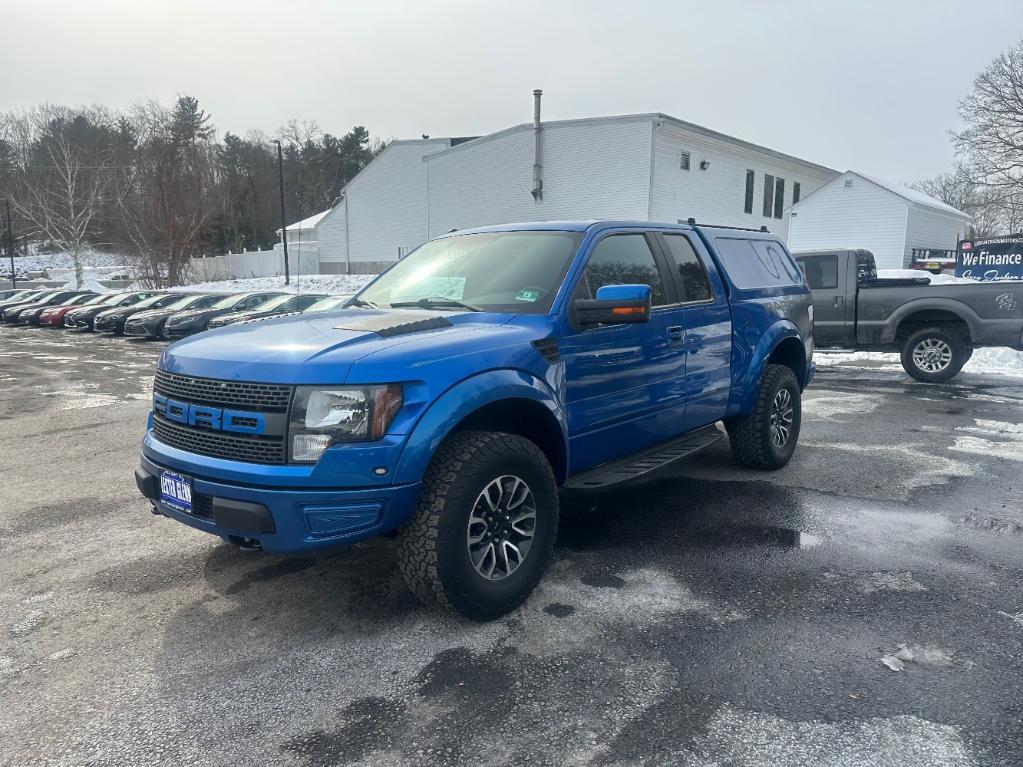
[
  {"x": 756, "y": 264},
  {"x": 821, "y": 272},
  {"x": 689, "y": 270}
]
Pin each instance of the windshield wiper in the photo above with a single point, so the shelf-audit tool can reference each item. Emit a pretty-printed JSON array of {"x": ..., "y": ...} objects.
[
  {"x": 363, "y": 302},
  {"x": 430, "y": 303}
]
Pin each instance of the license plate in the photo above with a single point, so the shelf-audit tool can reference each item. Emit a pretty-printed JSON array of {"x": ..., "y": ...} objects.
[{"x": 176, "y": 491}]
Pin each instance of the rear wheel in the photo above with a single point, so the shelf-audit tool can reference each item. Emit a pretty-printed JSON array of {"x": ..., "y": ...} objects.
[
  {"x": 766, "y": 437},
  {"x": 934, "y": 354},
  {"x": 483, "y": 532}
]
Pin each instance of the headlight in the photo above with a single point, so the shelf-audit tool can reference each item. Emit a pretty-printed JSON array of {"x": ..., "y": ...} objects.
[{"x": 322, "y": 416}]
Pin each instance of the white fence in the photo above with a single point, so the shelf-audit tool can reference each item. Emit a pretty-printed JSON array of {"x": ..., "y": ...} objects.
[{"x": 303, "y": 258}]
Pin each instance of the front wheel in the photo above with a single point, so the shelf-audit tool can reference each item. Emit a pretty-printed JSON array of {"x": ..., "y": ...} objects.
[
  {"x": 934, "y": 354},
  {"x": 483, "y": 532},
  {"x": 766, "y": 437}
]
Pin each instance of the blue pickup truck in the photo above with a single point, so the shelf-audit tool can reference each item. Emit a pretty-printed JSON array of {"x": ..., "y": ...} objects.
[{"x": 459, "y": 391}]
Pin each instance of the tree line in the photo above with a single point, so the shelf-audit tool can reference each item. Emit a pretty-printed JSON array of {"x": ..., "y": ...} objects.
[
  {"x": 987, "y": 180},
  {"x": 156, "y": 182}
]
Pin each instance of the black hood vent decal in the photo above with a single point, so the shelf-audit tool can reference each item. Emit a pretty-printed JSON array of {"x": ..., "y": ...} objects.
[{"x": 389, "y": 324}]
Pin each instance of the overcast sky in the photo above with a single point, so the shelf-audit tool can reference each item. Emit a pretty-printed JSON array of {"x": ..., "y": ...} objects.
[{"x": 866, "y": 85}]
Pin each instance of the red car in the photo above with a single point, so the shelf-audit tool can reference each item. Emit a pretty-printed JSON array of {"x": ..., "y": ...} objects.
[{"x": 53, "y": 316}]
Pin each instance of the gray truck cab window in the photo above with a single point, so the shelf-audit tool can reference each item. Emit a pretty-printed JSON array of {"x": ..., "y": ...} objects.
[
  {"x": 821, "y": 272},
  {"x": 624, "y": 259},
  {"x": 692, "y": 275}
]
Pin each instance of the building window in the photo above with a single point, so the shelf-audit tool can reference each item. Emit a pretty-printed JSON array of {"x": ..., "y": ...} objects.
[
  {"x": 795, "y": 192},
  {"x": 684, "y": 161},
  {"x": 768, "y": 195},
  {"x": 748, "y": 207},
  {"x": 779, "y": 196}
]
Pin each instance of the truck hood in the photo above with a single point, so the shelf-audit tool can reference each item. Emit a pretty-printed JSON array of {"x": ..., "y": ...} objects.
[{"x": 321, "y": 348}]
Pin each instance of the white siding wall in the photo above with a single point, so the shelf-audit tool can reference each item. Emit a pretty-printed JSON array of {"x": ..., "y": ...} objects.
[
  {"x": 717, "y": 195},
  {"x": 590, "y": 170},
  {"x": 387, "y": 202},
  {"x": 330, "y": 235},
  {"x": 932, "y": 229},
  {"x": 862, "y": 216}
]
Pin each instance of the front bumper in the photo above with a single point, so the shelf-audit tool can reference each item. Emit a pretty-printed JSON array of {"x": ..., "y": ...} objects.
[
  {"x": 142, "y": 330},
  {"x": 181, "y": 331},
  {"x": 282, "y": 519}
]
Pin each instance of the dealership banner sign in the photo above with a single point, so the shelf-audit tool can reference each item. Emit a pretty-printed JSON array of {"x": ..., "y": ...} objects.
[{"x": 993, "y": 258}]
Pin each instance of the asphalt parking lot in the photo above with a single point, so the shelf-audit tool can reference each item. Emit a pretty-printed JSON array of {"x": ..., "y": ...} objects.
[{"x": 863, "y": 606}]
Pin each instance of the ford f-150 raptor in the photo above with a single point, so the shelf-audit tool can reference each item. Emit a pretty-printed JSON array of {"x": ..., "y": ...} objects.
[{"x": 456, "y": 393}]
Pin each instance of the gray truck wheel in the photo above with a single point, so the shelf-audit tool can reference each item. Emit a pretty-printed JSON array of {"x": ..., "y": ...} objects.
[
  {"x": 766, "y": 437},
  {"x": 934, "y": 354},
  {"x": 483, "y": 532}
]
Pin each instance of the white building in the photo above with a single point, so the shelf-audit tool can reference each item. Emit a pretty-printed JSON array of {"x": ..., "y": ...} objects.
[
  {"x": 644, "y": 166},
  {"x": 891, "y": 221}
]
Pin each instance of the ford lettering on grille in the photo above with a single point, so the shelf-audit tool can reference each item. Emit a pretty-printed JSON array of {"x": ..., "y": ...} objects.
[{"x": 213, "y": 418}]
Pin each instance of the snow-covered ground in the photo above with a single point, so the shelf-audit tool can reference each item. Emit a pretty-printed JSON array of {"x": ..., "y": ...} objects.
[
  {"x": 987, "y": 360},
  {"x": 338, "y": 284}
]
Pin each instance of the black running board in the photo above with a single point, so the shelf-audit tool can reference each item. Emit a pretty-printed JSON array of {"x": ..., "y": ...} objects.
[{"x": 635, "y": 466}]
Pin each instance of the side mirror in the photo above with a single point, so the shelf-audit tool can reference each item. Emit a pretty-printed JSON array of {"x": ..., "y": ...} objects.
[{"x": 615, "y": 304}]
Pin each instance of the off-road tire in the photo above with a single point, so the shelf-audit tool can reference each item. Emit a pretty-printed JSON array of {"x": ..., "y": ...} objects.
[
  {"x": 950, "y": 337},
  {"x": 432, "y": 553},
  {"x": 751, "y": 435}
]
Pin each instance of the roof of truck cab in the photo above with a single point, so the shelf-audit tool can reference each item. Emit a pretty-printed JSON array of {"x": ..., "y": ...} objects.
[{"x": 569, "y": 226}]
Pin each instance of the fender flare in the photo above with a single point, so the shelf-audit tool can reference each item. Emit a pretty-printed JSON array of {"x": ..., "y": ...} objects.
[
  {"x": 463, "y": 399},
  {"x": 937, "y": 303},
  {"x": 773, "y": 336}
]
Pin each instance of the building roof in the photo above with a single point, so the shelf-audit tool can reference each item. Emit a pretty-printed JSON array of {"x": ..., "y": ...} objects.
[
  {"x": 308, "y": 223},
  {"x": 640, "y": 116},
  {"x": 911, "y": 196}
]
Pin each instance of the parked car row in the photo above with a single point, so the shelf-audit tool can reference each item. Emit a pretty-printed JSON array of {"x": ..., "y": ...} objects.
[{"x": 150, "y": 313}]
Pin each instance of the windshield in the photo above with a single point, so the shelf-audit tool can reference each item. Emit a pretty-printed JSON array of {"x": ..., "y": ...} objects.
[
  {"x": 273, "y": 303},
  {"x": 326, "y": 304},
  {"x": 498, "y": 271},
  {"x": 183, "y": 303},
  {"x": 95, "y": 300},
  {"x": 145, "y": 303},
  {"x": 227, "y": 303}
]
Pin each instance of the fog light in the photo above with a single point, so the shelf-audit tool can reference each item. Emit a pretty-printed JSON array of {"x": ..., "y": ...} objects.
[{"x": 308, "y": 447}]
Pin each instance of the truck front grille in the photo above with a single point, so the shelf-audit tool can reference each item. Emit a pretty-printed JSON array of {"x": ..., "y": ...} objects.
[
  {"x": 219, "y": 444},
  {"x": 264, "y": 397}
]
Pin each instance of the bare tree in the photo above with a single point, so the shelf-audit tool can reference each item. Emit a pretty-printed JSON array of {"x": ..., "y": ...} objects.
[
  {"x": 169, "y": 194},
  {"x": 63, "y": 176},
  {"x": 992, "y": 144}
]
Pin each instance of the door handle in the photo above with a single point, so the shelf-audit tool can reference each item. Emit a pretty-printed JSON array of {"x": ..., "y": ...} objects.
[
  {"x": 676, "y": 331},
  {"x": 839, "y": 300}
]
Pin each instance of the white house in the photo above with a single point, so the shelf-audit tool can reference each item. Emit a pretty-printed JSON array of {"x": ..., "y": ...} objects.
[
  {"x": 857, "y": 211},
  {"x": 644, "y": 166}
]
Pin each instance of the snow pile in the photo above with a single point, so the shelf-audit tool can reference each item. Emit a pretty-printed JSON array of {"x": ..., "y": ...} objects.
[
  {"x": 998, "y": 360},
  {"x": 337, "y": 284},
  {"x": 914, "y": 274},
  {"x": 60, "y": 263}
]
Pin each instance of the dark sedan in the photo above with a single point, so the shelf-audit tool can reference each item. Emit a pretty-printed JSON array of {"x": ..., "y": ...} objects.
[
  {"x": 85, "y": 318},
  {"x": 112, "y": 320},
  {"x": 195, "y": 319},
  {"x": 31, "y": 314},
  {"x": 284, "y": 304},
  {"x": 11, "y": 311},
  {"x": 149, "y": 324}
]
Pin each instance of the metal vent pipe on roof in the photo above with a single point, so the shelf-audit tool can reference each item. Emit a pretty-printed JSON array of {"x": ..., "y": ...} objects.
[{"x": 537, "y": 191}]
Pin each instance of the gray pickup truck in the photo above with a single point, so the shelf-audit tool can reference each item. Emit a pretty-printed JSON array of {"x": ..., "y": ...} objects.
[{"x": 934, "y": 327}]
